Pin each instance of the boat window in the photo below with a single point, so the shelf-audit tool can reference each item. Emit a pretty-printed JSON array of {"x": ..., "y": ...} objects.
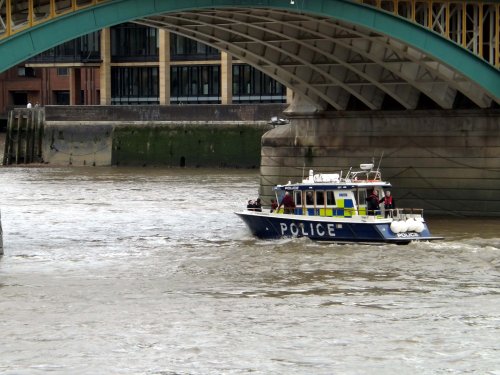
[
  {"x": 330, "y": 198},
  {"x": 320, "y": 198},
  {"x": 362, "y": 196},
  {"x": 297, "y": 195},
  {"x": 279, "y": 195},
  {"x": 309, "y": 198}
]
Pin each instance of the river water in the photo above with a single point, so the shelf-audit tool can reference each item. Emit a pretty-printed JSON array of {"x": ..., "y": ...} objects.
[{"x": 148, "y": 271}]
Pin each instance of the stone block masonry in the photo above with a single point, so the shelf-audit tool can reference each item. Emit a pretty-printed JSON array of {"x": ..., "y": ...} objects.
[{"x": 447, "y": 162}]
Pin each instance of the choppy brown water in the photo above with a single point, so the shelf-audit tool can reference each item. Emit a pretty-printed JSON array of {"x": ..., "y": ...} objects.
[{"x": 148, "y": 271}]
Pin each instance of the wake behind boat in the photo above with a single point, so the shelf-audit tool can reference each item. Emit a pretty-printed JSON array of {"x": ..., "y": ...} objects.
[{"x": 329, "y": 207}]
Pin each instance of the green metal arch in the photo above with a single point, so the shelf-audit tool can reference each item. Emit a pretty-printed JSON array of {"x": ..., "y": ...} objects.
[{"x": 30, "y": 42}]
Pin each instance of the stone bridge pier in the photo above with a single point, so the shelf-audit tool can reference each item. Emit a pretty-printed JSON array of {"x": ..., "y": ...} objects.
[{"x": 446, "y": 161}]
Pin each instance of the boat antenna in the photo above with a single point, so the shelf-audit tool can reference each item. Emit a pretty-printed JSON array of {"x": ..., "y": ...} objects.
[
  {"x": 303, "y": 170},
  {"x": 380, "y": 162}
]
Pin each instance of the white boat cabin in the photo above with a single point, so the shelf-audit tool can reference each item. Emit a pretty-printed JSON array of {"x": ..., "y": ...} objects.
[{"x": 332, "y": 195}]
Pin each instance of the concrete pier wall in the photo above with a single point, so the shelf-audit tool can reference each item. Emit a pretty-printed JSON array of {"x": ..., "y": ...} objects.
[
  {"x": 447, "y": 162},
  {"x": 77, "y": 143},
  {"x": 191, "y": 136},
  {"x": 223, "y": 144},
  {"x": 189, "y": 144}
]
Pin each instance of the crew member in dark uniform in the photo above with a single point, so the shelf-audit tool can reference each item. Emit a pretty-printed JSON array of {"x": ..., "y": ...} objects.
[{"x": 372, "y": 203}]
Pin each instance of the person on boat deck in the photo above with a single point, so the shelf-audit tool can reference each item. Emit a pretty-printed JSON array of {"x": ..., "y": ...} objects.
[
  {"x": 257, "y": 205},
  {"x": 389, "y": 203},
  {"x": 274, "y": 205},
  {"x": 254, "y": 205},
  {"x": 288, "y": 203},
  {"x": 372, "y": 203}
]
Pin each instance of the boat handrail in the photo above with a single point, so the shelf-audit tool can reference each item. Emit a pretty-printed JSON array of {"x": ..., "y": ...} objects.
[
  {"x": 395, "y": 214},
  {"x": 406, "y": 213},
  {"x": 368, "y": 176}
]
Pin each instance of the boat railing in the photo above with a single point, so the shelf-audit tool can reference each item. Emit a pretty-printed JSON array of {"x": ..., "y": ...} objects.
[
  {"x": 396, "y": 213},
  {"x": 370, "y": 175},
  {"x": 405, "y": 213}
]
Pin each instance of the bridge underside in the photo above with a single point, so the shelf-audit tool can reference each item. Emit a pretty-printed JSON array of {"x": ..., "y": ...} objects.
[
  {"x": 332, "y": 53},
  {"x": 330, "y": 64}
]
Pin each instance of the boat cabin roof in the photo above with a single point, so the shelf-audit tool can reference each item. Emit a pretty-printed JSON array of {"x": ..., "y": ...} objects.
[
  {"x": 365, "y": 178},
  {"x": 333, "y": 186}
]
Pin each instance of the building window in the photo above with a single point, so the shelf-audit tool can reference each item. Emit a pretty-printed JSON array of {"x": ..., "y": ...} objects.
[
  {"x": 253, "y": 86},
  {"x": 62, "y": 71},
  {"x": 195, "y": 84},
  {"x": 25, "y": 71},
  {"x": 132, "y": 42},
  {"x": 61, "y": 97},
  {"x": 182, "y": 48},
  {"x": 134, "y": 85},
  {"x": 83, "y": 49},
  {"x": 19, "y": 98}
]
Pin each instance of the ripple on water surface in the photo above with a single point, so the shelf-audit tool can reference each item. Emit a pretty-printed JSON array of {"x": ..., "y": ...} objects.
[{"x": 149, "y": 271}]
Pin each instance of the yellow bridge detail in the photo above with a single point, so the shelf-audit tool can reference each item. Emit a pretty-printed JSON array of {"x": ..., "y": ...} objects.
[
  {"x": 475, "y": 25},
  {"x": 17, "y": 16}
]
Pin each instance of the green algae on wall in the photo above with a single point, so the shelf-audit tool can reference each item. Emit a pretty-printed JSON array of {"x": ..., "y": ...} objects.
[{"x": 209, "y": 144}]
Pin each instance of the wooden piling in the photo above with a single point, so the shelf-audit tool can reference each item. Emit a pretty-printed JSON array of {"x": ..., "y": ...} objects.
[{"x": 23, "y": 143}]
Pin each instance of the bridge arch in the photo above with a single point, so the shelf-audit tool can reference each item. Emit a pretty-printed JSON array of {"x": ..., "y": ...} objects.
[{"x": 330, "y": 52}]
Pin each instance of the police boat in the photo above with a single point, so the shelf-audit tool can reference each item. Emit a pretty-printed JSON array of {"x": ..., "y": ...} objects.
[{"x": 330, "y": 207}]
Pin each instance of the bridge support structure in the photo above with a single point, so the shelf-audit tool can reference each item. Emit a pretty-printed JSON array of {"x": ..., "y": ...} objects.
[{"x": 446, "y": 161}]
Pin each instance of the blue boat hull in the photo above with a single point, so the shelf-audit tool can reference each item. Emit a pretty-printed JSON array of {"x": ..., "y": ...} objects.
[{"x": 272, "y": 226}]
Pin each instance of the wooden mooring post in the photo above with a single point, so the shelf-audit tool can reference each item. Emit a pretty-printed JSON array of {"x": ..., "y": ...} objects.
[{"x": 23, "y": 143}]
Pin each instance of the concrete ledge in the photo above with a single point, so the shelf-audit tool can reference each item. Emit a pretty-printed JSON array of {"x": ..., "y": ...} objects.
[
  {"x": 146, "y": 113},
  {"x": 161, "y": 123}
]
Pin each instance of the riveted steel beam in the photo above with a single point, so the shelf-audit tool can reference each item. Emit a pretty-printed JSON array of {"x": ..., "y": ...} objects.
[
  {"x": 332, "y": 53},
  {"x": 292, "y": 49},
  {"x": 441, "y": 88},
  {"x": 254, "y": 58},
  {"x": 265, "y": 55},
  {"x": 317, "y": 53}
]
